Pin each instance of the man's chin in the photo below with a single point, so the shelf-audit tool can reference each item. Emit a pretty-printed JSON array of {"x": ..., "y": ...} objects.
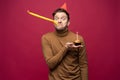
[{"x": 59, "y": 29}]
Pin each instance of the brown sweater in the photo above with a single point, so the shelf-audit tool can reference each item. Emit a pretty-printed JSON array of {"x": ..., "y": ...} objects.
[{"x": 63, "y": 63}]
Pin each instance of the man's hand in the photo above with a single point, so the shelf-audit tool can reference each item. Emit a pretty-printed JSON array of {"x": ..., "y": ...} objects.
[{"x": 71, "y": 45}]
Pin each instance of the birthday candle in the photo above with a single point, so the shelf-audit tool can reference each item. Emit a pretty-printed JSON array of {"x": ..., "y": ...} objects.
[
  {"x": 42, "y": 17},
  {"x": 77, "y": 35}
]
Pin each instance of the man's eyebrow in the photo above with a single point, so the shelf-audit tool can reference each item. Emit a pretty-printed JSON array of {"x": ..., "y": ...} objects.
[
  {"x": 55, "y": 16},
  {"x": 61, "y": 17},
  {"x": 64, "y": 16}
]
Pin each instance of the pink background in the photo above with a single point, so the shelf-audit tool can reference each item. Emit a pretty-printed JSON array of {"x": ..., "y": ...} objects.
[{"x": 21, "y": 56}]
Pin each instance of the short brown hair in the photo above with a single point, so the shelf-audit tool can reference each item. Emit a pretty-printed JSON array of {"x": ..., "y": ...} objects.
[{"x": 61, "y": 10}]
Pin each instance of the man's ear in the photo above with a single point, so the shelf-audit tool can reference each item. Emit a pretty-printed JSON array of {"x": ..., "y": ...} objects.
[{"x": 68, "y": 23}]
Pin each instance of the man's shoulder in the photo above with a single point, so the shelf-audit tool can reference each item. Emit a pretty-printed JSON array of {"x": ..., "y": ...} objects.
[{"x": 48, "y": 35}]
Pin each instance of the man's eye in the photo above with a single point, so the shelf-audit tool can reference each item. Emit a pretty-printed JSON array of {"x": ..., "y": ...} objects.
[
  {"x": 56, "y": 18},
  {"x": 64, "y": 18}
]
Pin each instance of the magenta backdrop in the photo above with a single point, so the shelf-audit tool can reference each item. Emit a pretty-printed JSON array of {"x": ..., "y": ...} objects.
[{"x": 21, "y": 56}]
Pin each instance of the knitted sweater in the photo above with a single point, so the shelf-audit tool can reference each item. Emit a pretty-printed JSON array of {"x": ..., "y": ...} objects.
[{"x": 64, "y": 63}]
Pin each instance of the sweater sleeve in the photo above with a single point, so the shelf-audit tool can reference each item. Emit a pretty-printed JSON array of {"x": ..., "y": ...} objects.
[
  {"x": 83, "y": 62},
  {"x": 52, "y": 60}
]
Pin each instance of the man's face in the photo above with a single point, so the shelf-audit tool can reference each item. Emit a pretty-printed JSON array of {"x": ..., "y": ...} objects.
[{"x": 62, "y": 20}]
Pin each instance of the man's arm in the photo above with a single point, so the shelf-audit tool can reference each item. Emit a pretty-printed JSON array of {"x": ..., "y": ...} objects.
[
  {"x": 83, "y": 62},
  {"x": 52, "y": 60}
]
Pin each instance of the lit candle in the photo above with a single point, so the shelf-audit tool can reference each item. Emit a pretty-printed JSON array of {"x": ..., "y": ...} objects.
[
  {"x": 77, "y": 35},
  {"x": 77, "y": 41},
  {"x": 42, "y": 17}
]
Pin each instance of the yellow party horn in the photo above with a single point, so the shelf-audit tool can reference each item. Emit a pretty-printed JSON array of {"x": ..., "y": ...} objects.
[{"x": 42, "y": 17}]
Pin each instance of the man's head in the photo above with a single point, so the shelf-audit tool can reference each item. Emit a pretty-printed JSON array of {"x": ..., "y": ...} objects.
[{"x": 62, "y": 17}]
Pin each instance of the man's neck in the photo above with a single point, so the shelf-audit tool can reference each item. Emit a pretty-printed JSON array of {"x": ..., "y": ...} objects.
[{"x": 62, "y": 32}]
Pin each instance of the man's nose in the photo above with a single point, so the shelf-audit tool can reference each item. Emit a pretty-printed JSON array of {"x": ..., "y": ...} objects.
[{"x": 59, "y": 21}]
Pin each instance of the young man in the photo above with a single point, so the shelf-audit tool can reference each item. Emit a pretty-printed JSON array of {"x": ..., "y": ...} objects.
[{"x": 65, "y": 60}]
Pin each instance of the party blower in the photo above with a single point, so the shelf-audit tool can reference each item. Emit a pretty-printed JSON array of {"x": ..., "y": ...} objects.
[{"x": 42, "y": 17}]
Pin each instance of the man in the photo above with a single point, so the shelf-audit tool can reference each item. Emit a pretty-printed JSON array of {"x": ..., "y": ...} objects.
[{"x": 65, "y": 60}]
